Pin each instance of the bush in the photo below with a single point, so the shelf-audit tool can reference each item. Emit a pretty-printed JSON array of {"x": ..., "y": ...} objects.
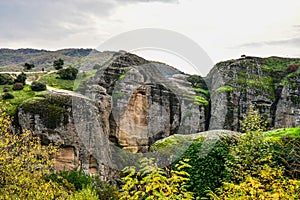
[
  {"x": 23, "y": 164},
  {"x": 76, "y": 177},
  {"x": 6, "y": 88},
  {"x": 21, "y": 78},
  {"x": 87, "y": 193},
  {"x": 152, "y": 182},
  {"x": 38, "y": 86},
  {"x": 69, "y": 73},
  {"x": 252, "y": 151},
  {"x": 205, "y": 171},
  {"x": 6, "y": 79},
  {"x": 28, "y": 66},
  {"x": 7, "y": 95},
  {"x": 268, "y": 183},
  {"x": 18, "y": 86},
  {"x": 287, "y": 155},
  {"x": 292, "y": 68},
  {"x": 58, "y": 64}
]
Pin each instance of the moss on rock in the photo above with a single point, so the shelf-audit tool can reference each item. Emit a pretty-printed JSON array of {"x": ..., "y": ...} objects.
[{"x": 52, "y": 109}]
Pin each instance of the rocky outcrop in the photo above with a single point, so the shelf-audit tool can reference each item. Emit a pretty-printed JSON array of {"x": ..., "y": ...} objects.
[
  {"x": 288, "y": 107},
  {"x": 266, "y": 83},
  {"x": 131, "y": 103}
]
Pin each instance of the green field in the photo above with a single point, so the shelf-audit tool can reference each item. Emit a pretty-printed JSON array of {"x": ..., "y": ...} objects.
[
  {"x": 19, "y": 97},
  {"x": 53, "y": 80}
]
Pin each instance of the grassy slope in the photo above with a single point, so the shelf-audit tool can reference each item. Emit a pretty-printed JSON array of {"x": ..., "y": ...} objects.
[
  {"x": 53, "y": 80},
  {"x": 19, "y": 97},
  {"x": 283, "y": 132}
]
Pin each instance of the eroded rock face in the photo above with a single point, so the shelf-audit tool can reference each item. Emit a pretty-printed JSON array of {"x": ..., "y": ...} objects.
[
  {"x": 77, "y": 124},
  {"x": 262, "y": 82},
  {"x": 130, "y": 103},
  {"x": 288, "y": 107}
]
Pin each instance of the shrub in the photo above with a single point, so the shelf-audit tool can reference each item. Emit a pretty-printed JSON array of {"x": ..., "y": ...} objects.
[
  {"x": 6, "y": 79},
  {"x": 21, "y": 78},
  {"x": 151, "y": 182},
  {"x": 105, "y": 190},
  {"x": 58, "y": 64},
  {"x": 292, "y": 68},
  {"x": 205, "y": 171},
  {"x": 38, "y": 86},
  {"x": 28, "y": 66},
  {"x": 6, "y": 88},
  {"x": 7, "y": 95},
  {"x": 87, "y": 193},
  {"x": 18, "y": 86},
  {"x": 287, "y": 155},
  {"x": 268, "y": 183},
  {"x": 76, "y": 177},
  {"x": 23, "y": 164},
  {"x": 69, "y": 73},
  {"x": 251, "y": 152}
]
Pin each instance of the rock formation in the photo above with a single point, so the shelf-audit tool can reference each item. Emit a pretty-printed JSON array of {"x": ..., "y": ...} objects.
[{"x": 131, "y": 103}]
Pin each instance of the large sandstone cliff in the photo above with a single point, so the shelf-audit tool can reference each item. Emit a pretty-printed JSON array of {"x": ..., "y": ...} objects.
[{"x": 130, "y": 103}]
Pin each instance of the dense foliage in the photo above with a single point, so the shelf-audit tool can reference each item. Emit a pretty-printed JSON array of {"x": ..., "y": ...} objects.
[
  {"x": 38, "y": 86},
  {"x": 23, "y": 164},
  {"x": 69, "y": 73},
  {"x": 21, "y": 78},
  {"x": 18, "y": 86},
  {"x": 205, "y": 170},
  {"x": 152, "y": 182},
  {"x": 6, "y": 79},
  {"x": 58, "y": 64}
]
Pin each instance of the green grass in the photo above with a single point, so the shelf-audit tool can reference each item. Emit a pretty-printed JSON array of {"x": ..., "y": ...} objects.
[
  {"x": 201, "y": 101},
  {"x": 200, "y": 90},
  {"x": 19, "y": 97},
  {"x": 225, "y": 88},
  {"x": 279, "y": 133},
  {"x": 53, "y": 80}
]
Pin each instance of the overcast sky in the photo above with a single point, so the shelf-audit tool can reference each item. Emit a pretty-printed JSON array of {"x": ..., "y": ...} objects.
[{"x": 224, "y": 29}]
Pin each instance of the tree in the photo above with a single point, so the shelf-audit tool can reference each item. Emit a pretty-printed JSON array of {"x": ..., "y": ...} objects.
[
  {"x": 6, "y": 79},
  {"x": 58, "y": 64},
  {"x": 152, "y": 182},
  {"x": 197, "y": 81},
  {"x": 21, "y": 78},
  {"x": 252, "y": 152},
  {"x": 69, "y": 73},
  {"x": 28, "y": 66},
  {"x": 268, "y": 183},
  {"x": 38, "y": 86},
  {"x": 23, "y": 164}
]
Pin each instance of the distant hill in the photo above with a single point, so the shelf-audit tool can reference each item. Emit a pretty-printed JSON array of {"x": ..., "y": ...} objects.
[{"x": 13, "y": 60}]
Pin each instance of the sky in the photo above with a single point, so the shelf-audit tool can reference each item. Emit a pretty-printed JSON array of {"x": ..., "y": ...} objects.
[{"x": 223, "y": 29}]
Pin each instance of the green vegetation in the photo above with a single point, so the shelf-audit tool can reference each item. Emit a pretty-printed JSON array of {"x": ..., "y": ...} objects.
[
  {"x": 205, "y": 171},
  {"x": 58, "y": 64},
  {"x": 69, "y": 73},
  {"x": 122, "y": 76},
  {"x": 53, "y": 80},
  {"x": 225, "y": 88},
  {"x": 201, "y": 91},
  {"x": 152, "y": 182},
  {"x": 21, "y": 78},
  {"x": 38, "y": 86},
  {"x": 284, "y": 132},
  {"x": 6, "y": 79},
  {"x": 28, "y": 66},
  {"x": 201, "y": 101},
  {"x": 18, "y": 86},
  {"x": 19, "y": 97}
]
